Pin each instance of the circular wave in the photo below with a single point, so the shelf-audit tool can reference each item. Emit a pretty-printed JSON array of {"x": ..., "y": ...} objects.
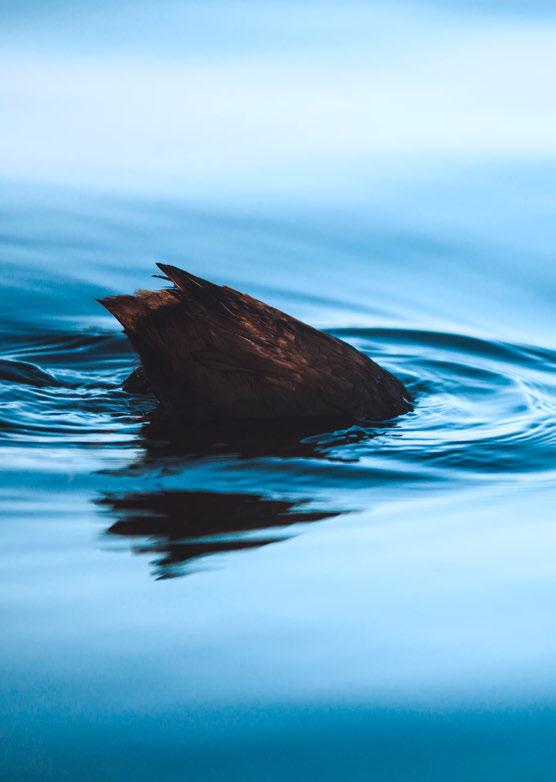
[{"x": 483, "y": 408}]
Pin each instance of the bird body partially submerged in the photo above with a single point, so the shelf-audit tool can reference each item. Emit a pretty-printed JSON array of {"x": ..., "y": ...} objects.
[{"x": 213, "y": 354}]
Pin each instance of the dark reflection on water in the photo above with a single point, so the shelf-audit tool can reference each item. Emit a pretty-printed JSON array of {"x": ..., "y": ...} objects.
[{"x": 181, "y": 527}]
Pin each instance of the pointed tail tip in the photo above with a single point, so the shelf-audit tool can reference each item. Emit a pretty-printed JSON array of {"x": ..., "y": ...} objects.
[
  {"x": 170, "y": 271},
  {"x": 162, "y": 266},
  {"x": 110, "y": 303},
  {"x": 124, "y": 308},
  {"x": 105, "y": 302},
  {"x": 180, "y": 277}
]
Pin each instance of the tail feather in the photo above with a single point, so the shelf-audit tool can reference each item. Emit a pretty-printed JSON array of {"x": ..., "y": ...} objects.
[
  {"x": 184, "y": 280},
  {"x": 124, "y": 308}
]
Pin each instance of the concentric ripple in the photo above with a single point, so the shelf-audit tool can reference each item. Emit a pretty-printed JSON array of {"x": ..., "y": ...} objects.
[{"x": 483, "y": 409}]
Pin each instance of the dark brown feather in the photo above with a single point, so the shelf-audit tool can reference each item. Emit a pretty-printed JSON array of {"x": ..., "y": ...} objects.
[{"x": 215, "y": 354}]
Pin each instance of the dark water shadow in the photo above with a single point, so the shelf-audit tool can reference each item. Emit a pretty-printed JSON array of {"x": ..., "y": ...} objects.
[{"x": 182, "y": 527}]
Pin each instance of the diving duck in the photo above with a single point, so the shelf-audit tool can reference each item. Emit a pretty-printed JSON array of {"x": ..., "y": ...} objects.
[{"x": 213, "y": 354}]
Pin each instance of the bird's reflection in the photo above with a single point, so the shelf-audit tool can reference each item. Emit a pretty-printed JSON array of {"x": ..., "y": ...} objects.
[{"x": 181, "y": 527}]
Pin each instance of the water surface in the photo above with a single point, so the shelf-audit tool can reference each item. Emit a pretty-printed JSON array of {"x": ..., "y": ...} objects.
[
  {"x": 373, "y": 602},
  {"x": 376, "y": 600}
]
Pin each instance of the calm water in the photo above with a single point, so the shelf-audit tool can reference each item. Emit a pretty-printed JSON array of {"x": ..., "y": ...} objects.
[{"x": 373, "y": 603}]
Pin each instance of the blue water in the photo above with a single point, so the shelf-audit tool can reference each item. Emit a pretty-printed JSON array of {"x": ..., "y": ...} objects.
[{"x": 372, "y": 603}]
